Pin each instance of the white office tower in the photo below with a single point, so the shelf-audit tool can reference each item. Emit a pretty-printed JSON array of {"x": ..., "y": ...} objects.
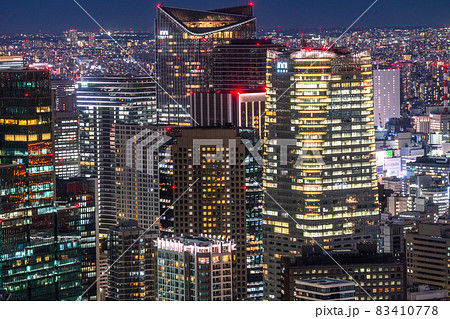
[
  {"x": 104, "y": 102},
  {"x": 386, "y": 95}
]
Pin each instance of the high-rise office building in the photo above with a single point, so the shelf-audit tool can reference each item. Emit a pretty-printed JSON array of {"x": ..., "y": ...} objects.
[
  {"x": 73, "y": 37},
  {"x": 137, "y": 173},
  {"x": 39, "y": 244},
  {"x": 67, "y": 144},
  {"x": 216, "y": 203},
  {"x": 386, "y": 95},
  {"x": 132, "y": 272},
  {"x": 320, "y": 154},
  {"x": 103, "y": 103},
  {"x": 195, "y": 268},
  {"x": 80, "y": 195},
  {"x": 427, "y": 255},
  {"x": 185, "y": 40}
]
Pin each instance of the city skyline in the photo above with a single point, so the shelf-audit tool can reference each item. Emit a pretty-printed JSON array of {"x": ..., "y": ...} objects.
[
  {"x": 213, "y": 160},
  {"x": 55, "y": 17}
]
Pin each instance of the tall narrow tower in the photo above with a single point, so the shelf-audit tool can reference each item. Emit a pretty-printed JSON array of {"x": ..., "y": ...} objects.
[{"x": 102, "y": 103}]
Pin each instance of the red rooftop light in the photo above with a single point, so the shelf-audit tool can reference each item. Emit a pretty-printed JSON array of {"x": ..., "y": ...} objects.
[
  {"x": 250, "y": 4},
  {"x": 159, "y": 5}
]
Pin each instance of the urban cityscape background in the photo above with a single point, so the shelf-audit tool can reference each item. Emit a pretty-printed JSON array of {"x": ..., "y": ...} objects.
[{"x": 206, "y": 157}]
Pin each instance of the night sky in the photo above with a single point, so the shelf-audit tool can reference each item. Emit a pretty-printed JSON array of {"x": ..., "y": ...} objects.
[{"x": 57, "y": 15}]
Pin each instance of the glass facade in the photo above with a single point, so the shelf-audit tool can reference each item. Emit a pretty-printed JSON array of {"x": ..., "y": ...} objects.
[
  {"x": 38, "y": 249},
  {"x": 185, "y": 40},
  {"x": 326, "y": 179},
  {"x": 80, "y": 193}
]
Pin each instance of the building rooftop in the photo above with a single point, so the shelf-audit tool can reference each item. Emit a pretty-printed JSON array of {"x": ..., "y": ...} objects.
[
  {"x": 200, "y": 21},
  {"x": 326, "y": 282},
  {"x": 343, "y": 259}
]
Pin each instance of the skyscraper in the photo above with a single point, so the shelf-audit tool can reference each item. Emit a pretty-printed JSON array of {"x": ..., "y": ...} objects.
[
  {"x": 185, "y": 40},
  {"x": 103, "y": 103},
  {"x": 137, "y": 173},
  {"x": 39, "y": 245},
  {"x": 216, "y": 203},
  {"x": 67, "y": 144},
  {"x": 320, "y": 154},
  {"x": 386, "y": 95}
]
